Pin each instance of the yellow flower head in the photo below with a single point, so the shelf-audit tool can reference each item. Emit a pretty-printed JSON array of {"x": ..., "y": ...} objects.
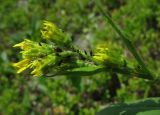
[
  {"x": 105, "y": 55},
  {"x": 101, "y": 54},
  {"x": 26, "y": 44},
  {"x": 34, "y": 56},
  {"x": 48, "y": 30},
  {"x": 37, "y": 68},
  {"x": 22, "y": 65},
  {"x": 52, "y": 32},
  {"x": 38, "y": 65}
]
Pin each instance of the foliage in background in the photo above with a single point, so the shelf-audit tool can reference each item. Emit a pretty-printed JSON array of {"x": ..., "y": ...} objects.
[{"x": 22, "y": 94}]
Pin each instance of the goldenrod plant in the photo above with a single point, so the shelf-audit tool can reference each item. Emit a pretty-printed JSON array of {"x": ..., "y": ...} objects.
[
  {"x": 59, "y": 56},
  {"x": 83, "y": 61}
]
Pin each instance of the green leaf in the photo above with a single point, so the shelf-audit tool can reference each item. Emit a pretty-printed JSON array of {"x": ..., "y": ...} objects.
[
  {"x": 81, "y": 71},
  {"x": 144, "y": 107},
  {"x": 85, "y": 71}
]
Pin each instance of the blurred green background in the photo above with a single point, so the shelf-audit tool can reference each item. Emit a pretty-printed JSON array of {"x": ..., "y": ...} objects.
[{"x": 23, "y": 94}]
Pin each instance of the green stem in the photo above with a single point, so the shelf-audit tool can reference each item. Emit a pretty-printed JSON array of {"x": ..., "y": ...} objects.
[
  {"x": 125, "y": 39},
  {"x": 127, "y": 71},
  {"x": 95, "y": 70}
]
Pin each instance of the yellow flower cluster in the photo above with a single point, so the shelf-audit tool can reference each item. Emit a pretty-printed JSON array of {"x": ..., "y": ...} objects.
[
  {"x": 42, "y": 57},
  {"x": 48, "y": 30},
  {"x": 22, "y": 65},
  {"x": 34, "y": 56},
  {"x": 26, "y": 44},
  {"x": 53, "y": 33},
  {"x": 105, "y": 55},
  {"x": 101, "y": 54}
]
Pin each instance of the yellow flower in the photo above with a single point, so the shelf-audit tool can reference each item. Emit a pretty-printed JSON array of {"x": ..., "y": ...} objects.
[
  {"x": 35, "y": 56},
  {"x": 26, "y": 44},
  {"x": 22, "y": 65},
  {"x": 52, "y": 32},
  {"x": 38, "y": 65},
  {"x": 37, "y": 72},
  {"x": 100, "y": 55},
  {"x": 48, "y": 29},
  {"x": 105, "y": 55}
]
